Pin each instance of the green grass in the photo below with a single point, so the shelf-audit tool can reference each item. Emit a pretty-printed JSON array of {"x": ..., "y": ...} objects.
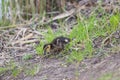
[
  {"x": 15, "y": 69},
  {"x": 31, "y": 71},
  {"x": 106, "y": 77},
  {"x": 83, "y": 34},
  {"x": 49, "y": 36},
  {"x": 39, "y": 48},
  {"x": 27, "y": 57},
  {"x": 88, "y": 29},
  {"x": 2, "y": 70},
  {"x": 10, "y": 67}
]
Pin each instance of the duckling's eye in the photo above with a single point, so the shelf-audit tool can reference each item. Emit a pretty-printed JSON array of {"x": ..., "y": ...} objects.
[{"x": 66, "y": 40}]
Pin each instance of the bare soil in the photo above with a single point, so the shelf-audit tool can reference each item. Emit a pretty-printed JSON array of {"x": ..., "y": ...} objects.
[
  {"x": 54, "y": 69},
  {"x": 104, "y": 66},
  {"x": 57, "y": 69}
]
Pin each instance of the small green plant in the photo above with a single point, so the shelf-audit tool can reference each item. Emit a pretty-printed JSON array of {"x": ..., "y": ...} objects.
[
  {"x": 49, "y": 36},
  {"x": 16, "y": 72},
  {"x": 81, "y": 34},
  {"x": 27, "y": 57},
  {"x": 32, "y": 70},
  {"x": 39, "y": 48},
  {"x": 11, "y": 66},
  {"x": 107, "y": 76},
  {"x": 114, "y": 23},
  {"x": 75, "y": 56},
  {"x": 2, "y": 70}
]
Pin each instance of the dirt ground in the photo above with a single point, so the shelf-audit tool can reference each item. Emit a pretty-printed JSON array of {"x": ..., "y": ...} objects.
[
  {"x": 105, "y": 67},
  {"x": 87, "y": 69}
]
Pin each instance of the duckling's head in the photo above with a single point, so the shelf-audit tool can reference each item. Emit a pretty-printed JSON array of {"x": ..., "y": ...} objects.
[{"x": 47, "y": 48}]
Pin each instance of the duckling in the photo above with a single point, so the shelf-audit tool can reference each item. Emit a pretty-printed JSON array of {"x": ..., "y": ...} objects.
[{"x": 56, "y": 46}]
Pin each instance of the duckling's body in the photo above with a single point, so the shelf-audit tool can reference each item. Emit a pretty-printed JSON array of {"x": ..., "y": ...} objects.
[{"x": 56, "y": 46}]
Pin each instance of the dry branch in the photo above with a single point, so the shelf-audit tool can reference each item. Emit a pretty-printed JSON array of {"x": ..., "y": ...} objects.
[{"x": 22, "y": 39}]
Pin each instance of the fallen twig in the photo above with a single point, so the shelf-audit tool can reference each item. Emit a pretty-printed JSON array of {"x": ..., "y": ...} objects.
[
  {"x": 24, "y": 38},
  {"x": 29, "y": 41}
]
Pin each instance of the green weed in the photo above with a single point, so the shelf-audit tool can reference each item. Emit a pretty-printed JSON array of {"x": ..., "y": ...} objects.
[
  {"x": 75, "y": 56},
  {"x": 27, "y": 57},
  {"x": 81, "y": 34},
  {"x": 39, "y": 48},
  {"x": 50, "y": 35},
  {"x": 87, "y": 29},
  {"x": 16, "y": 72},
  {"x": 32, "y": 70},
  {"x": 2, "y": 70},
  {"x": 12, "y": 68},
  {"x": 106, "y": 77},
  {"x": 114, "y": 23}
]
